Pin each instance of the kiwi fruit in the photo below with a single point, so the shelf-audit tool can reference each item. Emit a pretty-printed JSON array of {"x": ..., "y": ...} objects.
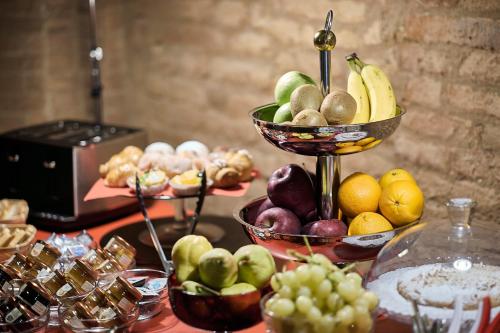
[
  {"x": 338, "y": 107},
  {"x": 309, "y": 117},
  {"x": 305, "y": 97}
]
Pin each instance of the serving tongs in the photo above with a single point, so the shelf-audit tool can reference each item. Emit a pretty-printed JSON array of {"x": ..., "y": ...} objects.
[{"x": 168, "y": 264}]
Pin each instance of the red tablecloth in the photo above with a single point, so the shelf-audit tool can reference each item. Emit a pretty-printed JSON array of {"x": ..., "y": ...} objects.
[{"x": 166, "y": 321}]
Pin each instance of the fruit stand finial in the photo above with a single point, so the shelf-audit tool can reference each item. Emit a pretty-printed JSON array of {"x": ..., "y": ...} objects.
[{"x": 324, "y": 41}]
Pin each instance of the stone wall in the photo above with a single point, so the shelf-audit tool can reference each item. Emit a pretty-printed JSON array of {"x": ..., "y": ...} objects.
[{"x": 192, "y": 69}]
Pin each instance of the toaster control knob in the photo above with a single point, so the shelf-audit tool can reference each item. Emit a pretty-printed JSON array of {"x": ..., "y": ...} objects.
[
  {"x": 13, "y": 158},
  {"x": 49, "y": 164}
]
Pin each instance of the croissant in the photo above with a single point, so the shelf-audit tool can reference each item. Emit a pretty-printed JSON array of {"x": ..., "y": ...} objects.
[
  {"x": 226, "y": 177},
  {"x": 242, "y": 162},
  {"x": 117, "y": 177}
]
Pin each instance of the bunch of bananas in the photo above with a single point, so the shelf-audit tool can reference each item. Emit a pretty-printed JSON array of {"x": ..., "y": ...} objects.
[{"x": 372, "y": 91}]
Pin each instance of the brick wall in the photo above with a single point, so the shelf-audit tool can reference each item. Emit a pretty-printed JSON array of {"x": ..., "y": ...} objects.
[{"x": 192, "y": 69}]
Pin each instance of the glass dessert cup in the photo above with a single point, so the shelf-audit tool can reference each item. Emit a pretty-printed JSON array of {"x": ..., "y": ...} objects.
[
  {"x": 339, "y": 249},
  {"x": 436, "y": 264},
  {"x": 93, "y": 326},
  {"x": 37, "y": 324},
  {"x": 150, "y": 305},
  {"x": 215, "y": 313},
  {"x": 276, "y": 324}
]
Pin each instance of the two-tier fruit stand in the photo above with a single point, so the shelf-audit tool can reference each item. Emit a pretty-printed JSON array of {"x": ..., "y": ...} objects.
[{"x": 328, "y": 144}]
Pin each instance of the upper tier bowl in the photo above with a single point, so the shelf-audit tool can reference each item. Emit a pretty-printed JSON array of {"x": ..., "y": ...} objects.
[{"x": 324, "y": 140}]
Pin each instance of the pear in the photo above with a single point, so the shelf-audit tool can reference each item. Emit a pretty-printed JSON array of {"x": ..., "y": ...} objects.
[
  {"x": 195, "y": 288},
  {"x": 338, "y": 107},
  {"x": 309, "y": 117},
  {"x": 305, "y": 97},
  {"x": 218, "y": 268},
  {"x": 186, "y": 254},
  {"x": 237, "y": 289},
  {"x": 255, "y": 265}
]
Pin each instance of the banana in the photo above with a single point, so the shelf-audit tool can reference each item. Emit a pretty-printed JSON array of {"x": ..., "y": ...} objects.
[{"x": 356, "y": 88}]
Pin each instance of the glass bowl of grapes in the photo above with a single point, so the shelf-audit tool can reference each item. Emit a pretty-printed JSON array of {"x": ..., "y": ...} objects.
[{"x": 318, "y": 297}]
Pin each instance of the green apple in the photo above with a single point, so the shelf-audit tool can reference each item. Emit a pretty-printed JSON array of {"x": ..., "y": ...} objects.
[
  {"x": 287, "y": 83},
  {"x": 237, "y": 289},
  {"x": 255, "y": 265},
  {"x": 186, "y": 255},
  {"x": 283, "y": 114},
  {"x": 218, "y": 268}
]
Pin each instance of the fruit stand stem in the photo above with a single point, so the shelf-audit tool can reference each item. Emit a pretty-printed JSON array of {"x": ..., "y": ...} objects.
[
  {"x": 327, "y": 184},
  {"x": 327, "y": 166}
]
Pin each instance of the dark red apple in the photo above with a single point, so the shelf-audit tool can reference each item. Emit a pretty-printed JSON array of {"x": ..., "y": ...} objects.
[
  {"x": 290, "y": 187},
  {"x": 280, "y": 220},
  {"x": 255, "y": 210},
  {"x": 325, "y": 228}
]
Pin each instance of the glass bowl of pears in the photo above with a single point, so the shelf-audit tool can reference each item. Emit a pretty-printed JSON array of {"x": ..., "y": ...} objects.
[{"x": 212, "y": 289}]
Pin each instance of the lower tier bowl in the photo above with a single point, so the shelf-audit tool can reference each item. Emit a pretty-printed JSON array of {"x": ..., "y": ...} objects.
[{"x": 339, "y": 249}]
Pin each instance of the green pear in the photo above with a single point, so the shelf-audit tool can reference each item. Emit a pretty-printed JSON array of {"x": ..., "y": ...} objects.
[
  {"x": 195, "y": 288},
  {"x": 237, "y": 289},
  {"x": 218, "y": 269},
  {"x": 255, "y": 265},
  {"x": 186, "y": 255}
]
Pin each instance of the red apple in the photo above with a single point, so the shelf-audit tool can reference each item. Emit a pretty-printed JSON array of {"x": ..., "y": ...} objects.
[
  {"x": 291, "y": 187},
  {"x": 325, "y": 228},
  {"x": 279, "y": 220}
]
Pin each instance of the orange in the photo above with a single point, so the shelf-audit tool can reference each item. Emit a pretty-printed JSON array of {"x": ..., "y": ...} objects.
[
  {"x": 395, "y": 175},
  {"x": 402, "y": 202},
  {"x": 359, "y": 193},
  {"x": 368, "y": 223}
]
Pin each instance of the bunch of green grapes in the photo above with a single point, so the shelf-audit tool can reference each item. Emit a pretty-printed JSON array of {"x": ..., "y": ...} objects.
[{"x": 329, "y": 299}]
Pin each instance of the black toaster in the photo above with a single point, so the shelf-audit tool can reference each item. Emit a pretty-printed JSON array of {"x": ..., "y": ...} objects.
[{"x": 53, "y": 166}]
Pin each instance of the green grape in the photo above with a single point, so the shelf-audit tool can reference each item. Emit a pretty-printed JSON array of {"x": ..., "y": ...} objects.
[
  {"x": 270, "y": 301},
  {"x": 348, "y": 290},
  {"x": 324, "y": 289},
  {"x": 303, "y": 304},
  {"x": 314, "y": 314},
  {"x": 337, "y": 276},
  {"x": 290, "y": 279},
  {"x": 334, "y": 302},
  {"x": 371, "y": 298},
  {"x": 345, "y": 315},
  {"x": 342, "y": 329},
  {"x": 322, "y": 260},
  {"x": 355, "y": 277},
  {"x": 304, "y": 291},
  {"x": 303, "y": 273},
  {"x": 286, "y": 292},
  {"x": 275, "y": 282},
  {"x": 326, "y": 324},
  {"x": 319, "y": 302},
  {"x": 283, "y": 307},
  {"x": 363, "y": 322},
  {"x": 318, "y": 274},
  {"x": 362, "y": 302}
]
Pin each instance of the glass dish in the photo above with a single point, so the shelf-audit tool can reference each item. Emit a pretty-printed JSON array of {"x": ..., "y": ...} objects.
[
  {"x": 150, "y": 305},
  {"x": 434, "y": 264},
  {"x": 214, "y": 313},
  {"x": 93, "y": 325},
  {"x": 66, "y": 302},
  {"x": 294, "y": 324},
  {"x": 339, "y": 249},
  {"x": 104, "y": 279},
  {"x": 38, "y": 324}
]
